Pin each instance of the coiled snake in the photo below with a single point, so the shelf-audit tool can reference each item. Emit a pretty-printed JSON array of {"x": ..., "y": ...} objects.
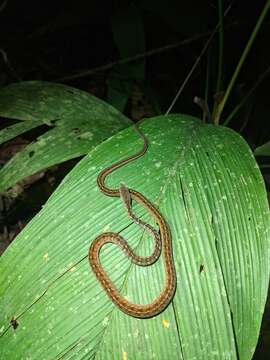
[{"x": 163, "y": 244}]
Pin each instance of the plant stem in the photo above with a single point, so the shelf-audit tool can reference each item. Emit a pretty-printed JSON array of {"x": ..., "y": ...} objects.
[
  {"x": 207, "y": 80},
  {"x": 195, "y": 64},
  {"x": 241, "y": 61},
  {"x": 220, "y": 57},
  {"x": 251, "y": 91},
  {"x": 137, "y": 57},
  {"x": 221, "y": 42}
]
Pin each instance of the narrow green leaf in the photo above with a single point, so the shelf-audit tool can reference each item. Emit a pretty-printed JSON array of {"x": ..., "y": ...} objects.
[
  {"x": 207, "y": 185},
  {"x": 12, "y": 131},
  {"x": 263, "y": 150},
  {"x": 79, "y": 122}
]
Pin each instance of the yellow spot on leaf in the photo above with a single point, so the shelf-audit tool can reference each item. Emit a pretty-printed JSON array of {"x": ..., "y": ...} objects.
[
  {"x": 46, "y": 256},
  {"x": 106, "y": 228},
  {"x": 124, "y": 355},
  {"x": 166, "y": 323}
]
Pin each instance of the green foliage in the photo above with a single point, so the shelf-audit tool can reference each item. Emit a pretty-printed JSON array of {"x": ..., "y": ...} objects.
[
  {"x": 241, "y": 60},
  {"x": 206, "y": 183},
  {"x": 263, "y": 150},
  {"x": 77, "y": 122},
  {"x": 203, "y": 178}
]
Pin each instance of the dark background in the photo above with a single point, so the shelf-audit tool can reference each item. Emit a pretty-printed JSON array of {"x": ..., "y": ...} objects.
[
  {"x": 48, "y": 40},
  {"x": 52, "y": 40}
]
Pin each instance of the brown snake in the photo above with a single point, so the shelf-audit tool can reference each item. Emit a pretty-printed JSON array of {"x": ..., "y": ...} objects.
[{"x": 162, "y": 244}]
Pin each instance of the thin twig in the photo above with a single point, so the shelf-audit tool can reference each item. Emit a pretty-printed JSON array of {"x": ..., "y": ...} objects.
[
  {"x": 196, "y": 63},
  {"x": 241, "y": 61},
  {"x": 135, "y": 57},
  {"x": 251, "y": 91},
  {"x": 221, "y": 46},
  {"x": 8, "y": 65},
  {"x": 4, "y": 55}
]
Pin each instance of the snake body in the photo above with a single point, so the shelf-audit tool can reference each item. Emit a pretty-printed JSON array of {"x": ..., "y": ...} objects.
[{"x": 163, "y": 244}]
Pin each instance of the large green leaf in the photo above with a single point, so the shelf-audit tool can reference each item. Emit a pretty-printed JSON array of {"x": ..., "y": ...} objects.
[
  {"x": 79, "y": 122},
  {"x": 207, "y": 185}
]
